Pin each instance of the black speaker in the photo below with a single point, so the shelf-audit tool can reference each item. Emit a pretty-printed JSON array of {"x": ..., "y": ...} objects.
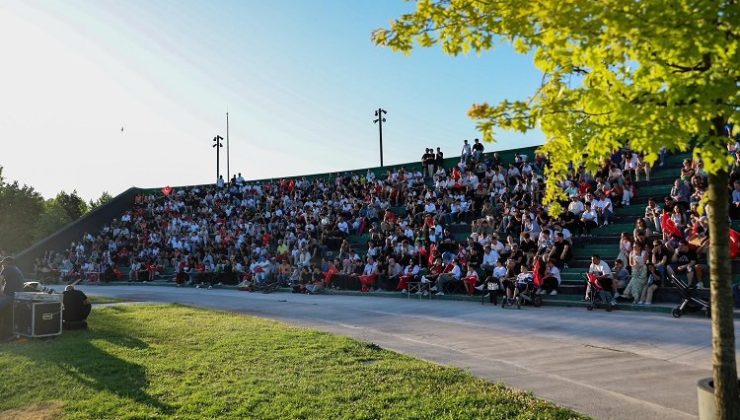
[{"x": 37, "y": 315}]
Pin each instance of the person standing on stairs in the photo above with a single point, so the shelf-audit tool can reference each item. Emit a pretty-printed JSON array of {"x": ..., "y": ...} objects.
[
  {"x": 638, "y": 262},
  {"x": 439, "y": 160}
]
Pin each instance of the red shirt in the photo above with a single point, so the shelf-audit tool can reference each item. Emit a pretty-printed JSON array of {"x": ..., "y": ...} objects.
[
  {"x": 429, "y": 222},
  {"x": 456, "y": 174},
  {"x": 390, "y": 216},
  {"x": 330, "y": 273}
]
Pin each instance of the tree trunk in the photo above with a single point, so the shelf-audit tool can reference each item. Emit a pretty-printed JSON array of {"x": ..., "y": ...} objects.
[{"x": 720, "y": 275}]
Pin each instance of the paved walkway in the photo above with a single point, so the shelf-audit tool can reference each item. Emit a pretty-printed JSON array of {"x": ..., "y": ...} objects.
[{"x": 608, "y": 365}]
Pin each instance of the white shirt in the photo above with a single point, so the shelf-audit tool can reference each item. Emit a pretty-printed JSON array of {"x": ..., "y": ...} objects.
[
  {"x": 524, "y": 278},
  {"x": 632, "y": 162},
  {"x": 490, "y": 257},
  {"x": 498, "y": 246},
  {"x": 602, "y": 204},
  {"x": 590, "y": 215},
  {"x": 566, "y": 234},
  {"x": 602, "y": 269},
  {"x": 369, "y": 269},
  {"x": 554, "y": 272},
  {"x": 576, "y": 207},
  {"x": 342, "y": 226}
]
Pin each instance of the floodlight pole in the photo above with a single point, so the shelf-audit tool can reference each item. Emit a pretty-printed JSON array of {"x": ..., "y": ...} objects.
[
  {"x": 228, "y": 159},
  {"x": 217, "y": 144},
  {"x": 380, "y": 120}
]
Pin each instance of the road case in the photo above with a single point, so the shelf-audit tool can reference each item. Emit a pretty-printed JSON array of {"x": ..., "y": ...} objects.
[{"x": 37, "y": 314}]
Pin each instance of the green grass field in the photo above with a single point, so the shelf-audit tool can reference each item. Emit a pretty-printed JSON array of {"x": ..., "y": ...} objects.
[
  {"x": 169, "y": 361},
  {"x": 105, "y": 299}
]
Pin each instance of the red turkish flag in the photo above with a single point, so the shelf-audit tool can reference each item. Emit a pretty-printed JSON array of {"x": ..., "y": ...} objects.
[
  {"x": 734, "y": 243},
  {"x": 167, "y": 191},
  {"x": 669, "y": 226},
  {"x": 537, "y": 269}
]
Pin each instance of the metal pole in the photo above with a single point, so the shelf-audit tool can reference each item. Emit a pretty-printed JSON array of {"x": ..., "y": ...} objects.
[
  {"x": 228, "y": 158},
  {"x": 380, "y": 128},
  {"x": 217, "y": 145}
]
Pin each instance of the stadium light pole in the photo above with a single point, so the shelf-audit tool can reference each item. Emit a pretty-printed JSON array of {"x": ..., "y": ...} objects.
[
  {"x": 228, "y": 158},
  {"x": 217, "y": 144},
  {"x": 380, "y": 120}
]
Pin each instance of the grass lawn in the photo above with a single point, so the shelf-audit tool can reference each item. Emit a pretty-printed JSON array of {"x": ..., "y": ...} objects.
[
  {"x": 162, "y": 361},
  {"x": 105, "y": 299}
]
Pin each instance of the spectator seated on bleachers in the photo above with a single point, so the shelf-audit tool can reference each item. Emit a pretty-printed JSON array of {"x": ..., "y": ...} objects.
[{"x": 226, "y": 233}]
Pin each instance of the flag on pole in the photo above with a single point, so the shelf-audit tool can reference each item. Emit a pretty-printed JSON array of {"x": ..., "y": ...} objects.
[{"x": 669, "y": 226}]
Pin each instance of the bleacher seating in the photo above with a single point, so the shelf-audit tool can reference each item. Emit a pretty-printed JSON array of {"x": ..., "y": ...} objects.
[{"x": 604, "y": 242}]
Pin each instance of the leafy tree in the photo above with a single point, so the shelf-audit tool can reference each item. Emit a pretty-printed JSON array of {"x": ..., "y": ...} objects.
[
  {"x": 641, "y": 74},
  {"x": 20, "y": 207},
  {"x": 72, "y": 204},
  {"x": 53, "y": 218},
  {"x": 104, "y": 198}
]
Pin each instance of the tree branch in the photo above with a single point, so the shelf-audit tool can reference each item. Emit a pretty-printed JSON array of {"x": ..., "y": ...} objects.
[{"x": 704, "y": 65}]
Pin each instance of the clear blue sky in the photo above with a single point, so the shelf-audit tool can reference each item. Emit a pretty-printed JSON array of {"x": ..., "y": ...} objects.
[{"x": 300, "y": 80}]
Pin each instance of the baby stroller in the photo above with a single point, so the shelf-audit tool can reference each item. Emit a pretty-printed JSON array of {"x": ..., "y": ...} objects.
[
  {"x": 596, "y": 295},
  {"x": 690, "y": 301},
  {"x": 527, "y": 295},
  {"x": 491, "y": 289},
  {"x": 269, "y": 285}
]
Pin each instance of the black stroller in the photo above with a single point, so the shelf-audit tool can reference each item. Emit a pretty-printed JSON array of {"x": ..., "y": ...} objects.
[
  {"x": 691, "y": 300},
  {"x": 527, "y": 296},
  {"x": 597, "y": 296},
  {"x": 271, "y": 284}
]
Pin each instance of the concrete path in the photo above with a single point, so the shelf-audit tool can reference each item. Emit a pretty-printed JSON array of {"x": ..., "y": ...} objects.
[{"x": 608, "y": 365}]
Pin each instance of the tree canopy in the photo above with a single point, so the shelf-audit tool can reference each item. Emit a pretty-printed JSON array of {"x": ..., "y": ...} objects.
[
  {"x": 104, "y": 198},
  {"x": 20, "y": 207},
  {"x": 25, "y": 217},
  {"x": 72, "y": 204},
  {"x": 642, "y": 74}
]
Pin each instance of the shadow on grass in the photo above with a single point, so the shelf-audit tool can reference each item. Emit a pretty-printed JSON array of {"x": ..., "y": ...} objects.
[{"x": 79, "y": 358}]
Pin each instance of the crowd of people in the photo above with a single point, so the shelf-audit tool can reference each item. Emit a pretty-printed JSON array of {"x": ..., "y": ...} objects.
[
  {"x": 293, "y": 229},
  {"x": 671, "y": 239},
  {"x": 303, "y": 232}
]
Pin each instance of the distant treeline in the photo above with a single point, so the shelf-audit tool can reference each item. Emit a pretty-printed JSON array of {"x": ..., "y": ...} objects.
[{"x": 25, "y": 217}]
